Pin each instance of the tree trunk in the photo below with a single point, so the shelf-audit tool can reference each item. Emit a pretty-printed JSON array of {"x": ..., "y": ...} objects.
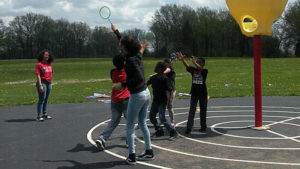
[{"x": 297, "y": 50}]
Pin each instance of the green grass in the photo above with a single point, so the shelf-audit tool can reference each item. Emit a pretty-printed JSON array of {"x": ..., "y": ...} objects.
[{"x": 76, "y": 78}]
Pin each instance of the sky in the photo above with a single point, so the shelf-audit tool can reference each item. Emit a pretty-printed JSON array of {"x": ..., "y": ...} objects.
[{"x": 126, "y": 14}]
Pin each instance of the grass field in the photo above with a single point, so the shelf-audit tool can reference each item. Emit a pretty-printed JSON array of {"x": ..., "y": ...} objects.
[{"x": 76, "y": 78}]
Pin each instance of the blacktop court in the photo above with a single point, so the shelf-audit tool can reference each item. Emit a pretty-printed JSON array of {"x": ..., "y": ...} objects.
[{"x": 67, "y": 141}]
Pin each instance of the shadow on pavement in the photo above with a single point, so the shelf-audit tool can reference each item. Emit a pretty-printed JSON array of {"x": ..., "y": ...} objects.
[
  {"x": 79, "y": 165},
  {"x": 20, "y": 120},
  {"x": 81, "y": 147}
]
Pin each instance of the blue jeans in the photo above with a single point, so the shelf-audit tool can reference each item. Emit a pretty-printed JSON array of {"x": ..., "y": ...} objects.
[
  {"x": 117, "y": 109},
  {"x": 161, "y": 109},
  {"x": 137, "y": 109},
  {"x": 43, "y": 97}
]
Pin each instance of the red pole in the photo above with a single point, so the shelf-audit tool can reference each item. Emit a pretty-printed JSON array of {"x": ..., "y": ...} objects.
[{"x": 257, "y": 80}]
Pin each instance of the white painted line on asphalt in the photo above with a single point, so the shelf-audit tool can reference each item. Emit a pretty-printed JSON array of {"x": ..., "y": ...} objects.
[
  {"x": 234, "y": 146},
  {"x": 222, "y": 159},
  {"x": 283, "y": 121},
  {"x": 244, "y": 137},
  {"x": 250, "y": 111},
  {"x": 90, "y": 139},
  {"x": 286, "y": 137}
]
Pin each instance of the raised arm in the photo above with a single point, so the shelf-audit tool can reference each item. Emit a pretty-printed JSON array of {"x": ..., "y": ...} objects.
[
  {"x": 193, "y": 60},
  {"x": 144, "y": 45},
  {"x": 168, "y": 70},
  {"x": 181, "y": 57},
  {"x": 116, "y": 31}
]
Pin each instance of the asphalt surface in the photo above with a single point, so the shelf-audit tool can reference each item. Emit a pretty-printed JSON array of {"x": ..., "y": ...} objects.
[{"x": 229, "y": 142}]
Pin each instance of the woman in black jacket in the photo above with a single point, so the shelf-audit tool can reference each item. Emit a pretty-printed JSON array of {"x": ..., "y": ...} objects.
[{"x": 139, "y": 95}]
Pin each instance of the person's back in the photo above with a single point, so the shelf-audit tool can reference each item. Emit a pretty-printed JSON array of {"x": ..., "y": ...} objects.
[
  {"x": 160, "y": 86},
  {"x": 161, "y": 90},
  {"x": 139, "y": 95}
]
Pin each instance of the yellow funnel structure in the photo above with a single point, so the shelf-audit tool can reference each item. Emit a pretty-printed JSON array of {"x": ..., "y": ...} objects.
[{"x": 255, "y": 17}]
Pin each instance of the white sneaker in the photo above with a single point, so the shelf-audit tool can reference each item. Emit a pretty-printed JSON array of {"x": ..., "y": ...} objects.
[
  {"x": 39, "y": 118},
  {"x": 45, "y": 116}
]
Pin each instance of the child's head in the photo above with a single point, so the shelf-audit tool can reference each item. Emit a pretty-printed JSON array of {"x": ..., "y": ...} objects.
[
  {"x": 168, "y": 63},
  {"x": 129, "y": 46},
  {"x": 160, "y": 68},
  {"x": 201, "y": 61},
  {"x": 45, "y": 55},
  {"x": 119, "y": 61}
]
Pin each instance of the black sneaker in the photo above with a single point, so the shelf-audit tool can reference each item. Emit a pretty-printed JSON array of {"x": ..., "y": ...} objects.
[
  {"x": 202, "y": 129},
  {"x": 39, "y": 118},
  {"x": 131, "y": 159},
  {"x": 100, "y": 144},
  {"x": 173, "y": 135},
  {"x": 45, "y": 116},
  {"x": 187, "y": 131},
  {"x": 146, "y": 156},
  {"x": 158, "y": 133}
]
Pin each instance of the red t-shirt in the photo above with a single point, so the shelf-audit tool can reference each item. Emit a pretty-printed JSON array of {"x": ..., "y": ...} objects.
[
  {"x": 116, "y": 77},
  {"x": 45, "y": 70}
]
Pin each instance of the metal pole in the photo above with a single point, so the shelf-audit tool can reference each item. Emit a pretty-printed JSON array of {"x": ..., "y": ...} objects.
[{"x": 257, "y": 81}]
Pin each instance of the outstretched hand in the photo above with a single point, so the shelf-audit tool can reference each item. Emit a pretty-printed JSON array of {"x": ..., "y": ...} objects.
[
  {"x": 193, "y": 59},
  {"x": 144, "y": 45},
  {"x": 113, "y": 27},
  {"x": 179, "y": 55}
]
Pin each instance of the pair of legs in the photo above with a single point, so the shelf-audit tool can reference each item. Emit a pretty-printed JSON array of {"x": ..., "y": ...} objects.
[
  {"x": 117, "y": 110},
  {"x": 137, "y": 110},
  {"x": 43, "y": 97},
  {"x": 160, "y": 109},
  {"x": 170, "y": 106},
  {"x": 202, "y": 99}
]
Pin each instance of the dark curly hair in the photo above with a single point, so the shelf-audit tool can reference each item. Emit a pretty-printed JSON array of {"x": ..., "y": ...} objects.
[
  {"x": 132, "y": 46},
  {"x": 169, "y": 62},
  {"x": 201, "y": 61},
  {"x": 160, "y": 67},
  {"x": 41, "y": 56},
  {"x": 118, "y": 61}
]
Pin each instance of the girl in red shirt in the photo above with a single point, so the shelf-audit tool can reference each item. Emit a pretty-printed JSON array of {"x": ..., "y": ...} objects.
[
  {"x": 119, "y": 101},
  {"x": 43, "y": 71}
]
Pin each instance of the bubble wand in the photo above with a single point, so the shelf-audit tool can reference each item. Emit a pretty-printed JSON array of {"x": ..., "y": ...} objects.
[{"x": 104, "y": 13}]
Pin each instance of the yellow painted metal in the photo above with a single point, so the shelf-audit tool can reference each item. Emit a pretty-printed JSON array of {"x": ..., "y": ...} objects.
[{"x": 256, "y": 17}]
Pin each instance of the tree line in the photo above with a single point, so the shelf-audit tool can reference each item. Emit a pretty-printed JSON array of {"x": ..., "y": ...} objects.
[{"x": 202, "y": 32}]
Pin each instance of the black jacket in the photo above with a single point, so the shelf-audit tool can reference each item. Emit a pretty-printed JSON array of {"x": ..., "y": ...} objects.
[
  {"x": 161, "y": 88},
  {"x": 135, "y": 72}
]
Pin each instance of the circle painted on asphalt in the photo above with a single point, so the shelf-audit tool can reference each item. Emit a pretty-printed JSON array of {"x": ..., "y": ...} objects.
[{"x": 89, "y": 136}]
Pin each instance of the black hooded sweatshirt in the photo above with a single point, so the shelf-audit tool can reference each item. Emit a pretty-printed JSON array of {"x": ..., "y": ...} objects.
[{"x": 134, "y": 69}]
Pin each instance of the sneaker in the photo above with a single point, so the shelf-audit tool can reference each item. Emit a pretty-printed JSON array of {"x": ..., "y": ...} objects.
[
  {"x": 100, "y": 144},
  {"x": 158, "y": 133},
  {"x": 45, "y": 116},
  {"x": 146, "y": 156},
  {"x": 131, "y": 159},
  {"x": 187, "y": 131},
  {"x": 173, "y": 124},
  {"x": 202, "y": 129},
  {"x": 39, "y": 118},
  {"x": 173, "y": 135}
]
